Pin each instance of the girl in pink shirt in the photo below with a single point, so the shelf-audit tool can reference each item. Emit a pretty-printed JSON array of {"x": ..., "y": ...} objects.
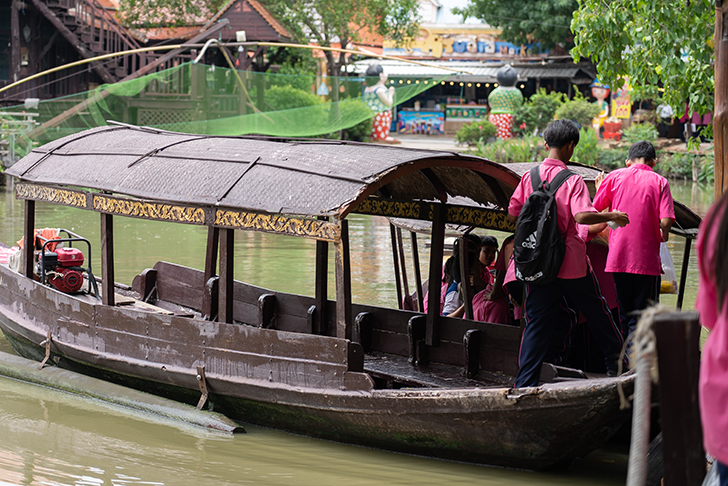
[{"x": 712, "y": 303}]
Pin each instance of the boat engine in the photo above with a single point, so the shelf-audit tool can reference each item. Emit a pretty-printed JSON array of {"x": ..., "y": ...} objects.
[{"x": 63, "y": 269}]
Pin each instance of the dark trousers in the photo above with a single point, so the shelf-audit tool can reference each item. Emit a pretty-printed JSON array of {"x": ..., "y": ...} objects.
[
  {"x": 635, "y": 293},
  {"x": 543, "y": 308}
]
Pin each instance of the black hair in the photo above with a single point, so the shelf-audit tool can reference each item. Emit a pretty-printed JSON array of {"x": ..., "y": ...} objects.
[
  {"x": 473, "y": 242},
  {"x": 559, "y": 133},
  {"x": 642, "y": 150},
  {"x": 489, "y": 240},
  {"x": 372, "y": 74}
]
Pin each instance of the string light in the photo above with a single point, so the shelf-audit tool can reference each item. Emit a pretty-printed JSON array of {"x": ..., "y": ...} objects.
[
  {"x": 409, "y": 82},
  {"x": 417, "y": 82},
  {"x": 469, "y": 85},
  {"x": 523, "y": 86},
  {"x": 495, "y": 85},
  {"x": 487, "y": 85},
  {"x": 443, "y": 83},
  {"x": 400, "y": 81},
  {"x": 451, "y": 83},
  {"x": 462, "y": 84},
  {"x": 477, "y": 85},
  {"x": 425, "y": 82}
]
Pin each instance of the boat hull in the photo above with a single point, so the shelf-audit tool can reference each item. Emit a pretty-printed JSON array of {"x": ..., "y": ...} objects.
[{"x": 314, "y": 392}]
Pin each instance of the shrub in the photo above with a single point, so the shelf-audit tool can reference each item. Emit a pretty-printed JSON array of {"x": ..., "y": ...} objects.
[
  {"x": 611, "y": 158},
  {"x": 293, "y": 76},
  {"x": 639, "y": 131},
  {"x": 586, "y": 151},
  {"x": 580, "y": 110},
  {"x": 357, "y": 109},
  {"x": 525, "y": 149},
  {"x": 533, "y": 116},
  {"x": 287, "y": 97},
  {"x": 478, "y": 131}
]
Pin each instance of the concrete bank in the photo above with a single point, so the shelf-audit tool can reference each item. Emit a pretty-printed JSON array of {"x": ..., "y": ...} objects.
[{"x": 68, "y": 381}]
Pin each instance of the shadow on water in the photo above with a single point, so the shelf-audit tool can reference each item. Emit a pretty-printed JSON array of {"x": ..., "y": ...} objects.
[{"x": 50, "y": 437}]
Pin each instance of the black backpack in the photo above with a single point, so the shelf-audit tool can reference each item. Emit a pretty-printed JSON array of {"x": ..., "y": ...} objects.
[{"x": 538, "y": 246}]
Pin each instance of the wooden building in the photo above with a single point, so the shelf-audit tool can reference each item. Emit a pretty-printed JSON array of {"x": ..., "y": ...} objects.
[{"x": 45, "y": 34}]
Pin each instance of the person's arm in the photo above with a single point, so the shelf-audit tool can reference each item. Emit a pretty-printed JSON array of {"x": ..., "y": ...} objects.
[
  {"x": 459, "y": 312},
  {"x": 586, "y": 217},
  {"x": 665, "y": 225}
]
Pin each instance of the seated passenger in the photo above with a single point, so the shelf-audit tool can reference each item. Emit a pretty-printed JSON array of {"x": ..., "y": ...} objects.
[
  {"x": 454, "y": 306},
  {"x": 488, "y": 252}
]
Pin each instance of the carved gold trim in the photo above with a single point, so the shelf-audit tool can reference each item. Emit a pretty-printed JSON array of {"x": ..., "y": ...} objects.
[
  {"x": 276, "y": 223},
  {"x": 479, "y": 217},
  {"x": 148, "y": 210},
  {"x": 392, "y": 209},
  {"x": 50, "y": 194}
]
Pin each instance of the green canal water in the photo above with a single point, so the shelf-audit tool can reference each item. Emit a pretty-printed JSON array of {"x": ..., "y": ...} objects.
[{"x": 52, "y": 438}]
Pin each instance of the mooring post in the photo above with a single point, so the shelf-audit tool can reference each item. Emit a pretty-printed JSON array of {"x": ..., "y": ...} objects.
[{"x": 677, "y": 335}]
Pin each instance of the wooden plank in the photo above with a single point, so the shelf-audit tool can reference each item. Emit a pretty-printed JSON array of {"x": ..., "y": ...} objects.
[
  {"x": 437, "y": 246},
  {"x": 343, "y": 283},
  {"x": 678, "y": 352},
  {"x": 227, "y": 251},
  {"x": 29, "y": 238},
  {"x": 107, "y": 259}
]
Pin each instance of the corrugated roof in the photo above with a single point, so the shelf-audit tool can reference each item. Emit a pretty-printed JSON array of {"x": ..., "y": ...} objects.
[
  {"x": 472, "y": 70},
  {"x": 309, "y": 178}
]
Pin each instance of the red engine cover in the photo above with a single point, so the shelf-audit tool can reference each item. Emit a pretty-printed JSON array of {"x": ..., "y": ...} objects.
[
  {"x": 70, "y": 257},
  {"x": 66, "y": 280}
]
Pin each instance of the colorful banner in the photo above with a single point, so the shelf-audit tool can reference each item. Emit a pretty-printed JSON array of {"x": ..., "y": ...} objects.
[{"x": 421, "y": 122}]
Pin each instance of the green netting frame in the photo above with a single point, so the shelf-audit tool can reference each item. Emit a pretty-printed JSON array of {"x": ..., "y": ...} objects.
[{"x": 197, "y": 98}]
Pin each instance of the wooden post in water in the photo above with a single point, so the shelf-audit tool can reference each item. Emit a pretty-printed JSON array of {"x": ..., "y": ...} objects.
[
  {"x": 437, "y": 246},
  {"x": 720, "y": 112},
  {"x": 343, "y": 283},
  {"x": 225, "y": 300},
  {"x": 29, "y": 237},
  {"x": 684, "y": 273},
  {"x": 107, "y": 259},
  {"x": 678, "y": 353}
]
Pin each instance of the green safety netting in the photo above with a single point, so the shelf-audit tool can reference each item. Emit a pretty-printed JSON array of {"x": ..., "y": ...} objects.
[{"x": 197, "y": 98}]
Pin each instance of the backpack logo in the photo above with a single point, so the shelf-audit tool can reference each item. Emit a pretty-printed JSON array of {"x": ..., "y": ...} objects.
[{"x": 530, "y": 243}]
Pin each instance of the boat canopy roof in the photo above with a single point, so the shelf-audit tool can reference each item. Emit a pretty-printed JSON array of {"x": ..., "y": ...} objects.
[{"x": 162, "y": 175}]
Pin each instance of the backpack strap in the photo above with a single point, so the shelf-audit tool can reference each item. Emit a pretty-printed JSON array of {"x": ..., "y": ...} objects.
[{"x": 555, "y": 183}]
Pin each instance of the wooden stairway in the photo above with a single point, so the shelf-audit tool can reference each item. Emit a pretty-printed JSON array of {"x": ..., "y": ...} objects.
[{"x": 93, "y": 31}]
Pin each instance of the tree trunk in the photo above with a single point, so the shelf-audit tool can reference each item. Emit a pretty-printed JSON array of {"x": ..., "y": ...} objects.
[
  {"x": 720, "y": 113},
  {"x": 14, "y": 41}
]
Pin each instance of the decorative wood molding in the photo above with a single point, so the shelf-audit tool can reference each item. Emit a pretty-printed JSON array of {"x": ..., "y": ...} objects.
[
  {"x": 461, "y": 215},
  {"x": 279, "y": 224},
  {"x": 148, "y": 210},
  {"x": 66, "y": 197}
]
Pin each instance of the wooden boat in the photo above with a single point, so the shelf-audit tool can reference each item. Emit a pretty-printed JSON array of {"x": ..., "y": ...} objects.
[{"x": 387, "y": 378}]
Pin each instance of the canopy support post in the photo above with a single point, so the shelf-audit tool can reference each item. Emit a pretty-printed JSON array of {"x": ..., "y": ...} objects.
[
  {"x": 437, "y": 246},
  {"x": 107, "y": 259},
  {"x": 225, "y": 301},
  {"x": 321, "y": 285},
  {"x": 418, "y": 273},
  {"x": 343, "y": 283},
  {"x": 465, "y": 276},
  {"x": 213, "y": 241},
  {"x": 684, "y": 272},
  {"x": 395, "y": 261},
  {"x": 29, "y": 237},
  {"x": 402, "y": 262}
]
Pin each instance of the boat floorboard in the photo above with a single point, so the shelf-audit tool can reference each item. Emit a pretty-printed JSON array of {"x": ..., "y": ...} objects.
[{"x": 396, "y": 371}]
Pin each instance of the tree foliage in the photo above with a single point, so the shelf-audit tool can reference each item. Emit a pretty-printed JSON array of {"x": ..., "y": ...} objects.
[
  {"x": 658, "y": 45},
  {"x": 328, "y": 22},
  {"x": 166, "y": 13},
  {"x": 545, "y": 22}
]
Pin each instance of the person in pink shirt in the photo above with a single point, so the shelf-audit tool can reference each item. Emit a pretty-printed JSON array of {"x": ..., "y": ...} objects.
[
  {"x": 576, "y": 280},
  {"x": 634, "y": 251},
  {"x": 712, "y": 304}
]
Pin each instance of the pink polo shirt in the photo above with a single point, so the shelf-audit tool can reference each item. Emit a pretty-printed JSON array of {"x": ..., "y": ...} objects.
[
  {"x": 571, "y": 198},
  {"x": 645, "y": 196},
  {"x": 714, "y": 360}
]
